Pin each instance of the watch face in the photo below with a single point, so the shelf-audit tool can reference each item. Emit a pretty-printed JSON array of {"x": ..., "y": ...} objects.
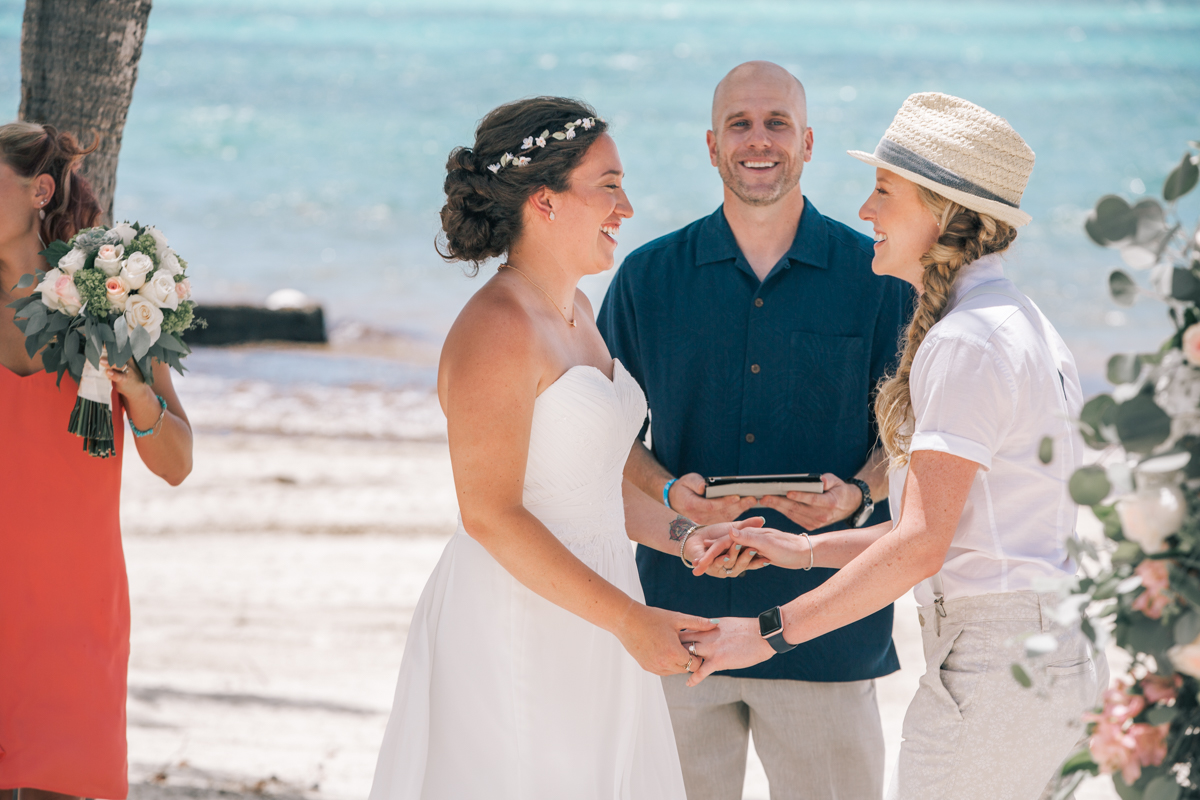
[{"x": 770, "y": 622}]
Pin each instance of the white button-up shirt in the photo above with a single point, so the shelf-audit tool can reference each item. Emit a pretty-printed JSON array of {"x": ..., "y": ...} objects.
[{"x": 992, "y": 379}]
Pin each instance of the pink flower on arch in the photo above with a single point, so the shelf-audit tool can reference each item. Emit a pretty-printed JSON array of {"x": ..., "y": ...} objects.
[
  {"x": 1156, "y": 580},
  {"x": 1161, "y": 690}
]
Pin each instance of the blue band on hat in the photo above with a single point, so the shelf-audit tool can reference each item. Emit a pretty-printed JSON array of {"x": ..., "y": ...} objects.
[{"x": 902, "y": 157}]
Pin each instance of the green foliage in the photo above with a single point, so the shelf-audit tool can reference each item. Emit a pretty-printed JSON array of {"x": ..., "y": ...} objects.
[
  {"x": 1021, "y": 675},
  {"x": 1089, "y": 485},
  {"x": 180, "y": 319},
  {"x": 143, "y": 243},
  {"x": 1182, "y": 179},
  {"x": 1098, "y": 417},
  {"x": 1148, "y": 430},
  {"x": 1124, "y": 368},
  {"x": 90, "y": 284},
  {"x": 54, "y": 251},
  {"x": 1122, "y": 288},
  {"x": 1046, "y": 450},
  {"x": 1141, "y": 424},
  {"x": 1080, "y": 761}
]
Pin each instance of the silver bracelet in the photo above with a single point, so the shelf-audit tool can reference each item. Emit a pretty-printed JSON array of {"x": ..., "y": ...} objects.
[
  {"x": 812, "y": 557},
  {"x": 683, "y": 544}
]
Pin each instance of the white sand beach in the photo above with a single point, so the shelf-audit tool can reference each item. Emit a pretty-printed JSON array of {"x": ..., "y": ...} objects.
[{"x": 272, "y": 592}]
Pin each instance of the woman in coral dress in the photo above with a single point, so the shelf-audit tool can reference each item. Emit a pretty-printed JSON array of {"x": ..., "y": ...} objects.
[{"x": 64, "y": 600}]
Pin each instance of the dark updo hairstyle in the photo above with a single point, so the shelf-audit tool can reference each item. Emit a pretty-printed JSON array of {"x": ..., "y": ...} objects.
[
  {"x": 482, "y": 216},
  {"x": 30, "y": 150}
]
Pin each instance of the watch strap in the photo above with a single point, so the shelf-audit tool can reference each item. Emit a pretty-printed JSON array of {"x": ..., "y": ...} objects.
[
  {"x": 776, "y": 640},
  {"x": 863, "y": 512}
]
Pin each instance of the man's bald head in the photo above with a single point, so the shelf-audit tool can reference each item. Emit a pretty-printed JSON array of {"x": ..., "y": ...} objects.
[{"x": 758, "y": 80}]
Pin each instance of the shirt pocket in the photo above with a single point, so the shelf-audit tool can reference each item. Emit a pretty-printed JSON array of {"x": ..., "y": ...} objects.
[{"x": 828, "y": 376}]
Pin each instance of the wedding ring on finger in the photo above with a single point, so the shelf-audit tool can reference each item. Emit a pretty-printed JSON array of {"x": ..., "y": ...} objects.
[
  {"x": 692, "y": 648},
  {"x": 688, "y": 666}
]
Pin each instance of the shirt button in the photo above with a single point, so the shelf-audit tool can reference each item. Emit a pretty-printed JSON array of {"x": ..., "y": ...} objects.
[
  {"x": 758, "y": 302},
  {"x": 755, "y": 368},
  {"x": 750, "y": 437}
]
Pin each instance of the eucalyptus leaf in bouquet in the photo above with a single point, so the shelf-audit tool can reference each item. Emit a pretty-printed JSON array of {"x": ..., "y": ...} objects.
[
  {"x": 1145, "y": 490},
  {"x": 120, "y": 293}
]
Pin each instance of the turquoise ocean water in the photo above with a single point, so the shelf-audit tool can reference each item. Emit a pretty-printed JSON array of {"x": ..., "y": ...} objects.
[{"x": 301, "y": 143}]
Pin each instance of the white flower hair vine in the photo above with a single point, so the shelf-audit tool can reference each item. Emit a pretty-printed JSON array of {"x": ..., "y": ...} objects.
[{"x": 530, "y": 142}]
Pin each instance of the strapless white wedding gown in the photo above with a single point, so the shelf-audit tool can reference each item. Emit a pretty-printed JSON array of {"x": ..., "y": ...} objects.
[{"x": 503, "y": 695}]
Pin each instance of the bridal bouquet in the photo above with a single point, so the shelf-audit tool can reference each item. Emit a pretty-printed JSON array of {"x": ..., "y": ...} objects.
[
  {"x": 120, "y": 291},
  {"x": 1144, "y": 587}
]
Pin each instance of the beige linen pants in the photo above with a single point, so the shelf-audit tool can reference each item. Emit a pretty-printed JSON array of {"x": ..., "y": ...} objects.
[
  {"x": 817, "y": 741},
  {"x": 972, "y": 732}
]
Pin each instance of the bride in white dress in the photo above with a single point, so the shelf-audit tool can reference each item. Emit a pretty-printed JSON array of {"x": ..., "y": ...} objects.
[{"x": 529, "y": 670}]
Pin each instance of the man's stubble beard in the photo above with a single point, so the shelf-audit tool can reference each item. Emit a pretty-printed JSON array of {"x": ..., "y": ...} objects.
[{"x": 787, "y": 181}]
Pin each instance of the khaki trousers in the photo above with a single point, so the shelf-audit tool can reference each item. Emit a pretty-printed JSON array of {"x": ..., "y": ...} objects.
[
  {"x": 817, "y": 741},
  {"x": 972, "y": 732}
]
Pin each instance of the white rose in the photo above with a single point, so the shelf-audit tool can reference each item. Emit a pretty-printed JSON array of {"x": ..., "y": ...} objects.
[
  {"x": 1149, "y": 516},
  {"x": 135, "y": 269},
  {"x": 161, "y": 290},
  {"x": 73, "y": 261},
  {"x": 118, "y": 292},
  {"x": 160, "y": 241},
  {"x": 48, "y": 289},
  {"x": 108, "y": 260},
  {"x": 184, "y": 289},
  {"x": 170, "y": 263},
  {"x": 141, "y": 313},
  {"x": 126, "y": 231}
]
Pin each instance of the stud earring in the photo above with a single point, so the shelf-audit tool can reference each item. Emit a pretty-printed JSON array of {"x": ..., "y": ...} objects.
[{"x": 552, "y": 216}]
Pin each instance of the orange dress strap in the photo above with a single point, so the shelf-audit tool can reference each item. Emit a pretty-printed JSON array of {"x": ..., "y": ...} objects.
[{"x": 64, "y": 598}]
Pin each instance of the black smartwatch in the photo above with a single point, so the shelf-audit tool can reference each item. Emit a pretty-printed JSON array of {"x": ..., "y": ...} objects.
[
  {"x": 866, "y": 508},
  {"x": 770, "y": 627}
]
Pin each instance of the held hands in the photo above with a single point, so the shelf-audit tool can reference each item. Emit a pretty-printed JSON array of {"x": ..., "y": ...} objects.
[
  {"x": 786, "y": 550},
  {"x": 687, "y": 498},
  {"x": 734, "y": 644},
  {"x": 813, "y": 511},
  {"x": 715, "y": 553},
  {"x": 653, "y": 637}
]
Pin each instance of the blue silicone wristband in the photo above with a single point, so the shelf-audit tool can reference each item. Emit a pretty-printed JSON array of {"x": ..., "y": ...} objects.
[{"x": 667, "y": 492}]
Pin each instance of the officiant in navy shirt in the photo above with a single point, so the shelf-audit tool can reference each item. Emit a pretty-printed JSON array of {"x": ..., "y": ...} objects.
[{"x": 758, "y": 334}]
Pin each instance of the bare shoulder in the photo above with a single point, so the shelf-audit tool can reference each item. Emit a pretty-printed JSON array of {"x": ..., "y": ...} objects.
[{"x": 493, "y": 339}]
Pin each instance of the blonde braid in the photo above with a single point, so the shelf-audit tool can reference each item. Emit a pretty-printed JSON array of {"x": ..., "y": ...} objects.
[{"x": 966, "y": 236}]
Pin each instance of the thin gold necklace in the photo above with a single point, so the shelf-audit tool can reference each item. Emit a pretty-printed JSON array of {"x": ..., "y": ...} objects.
[{"x": 540, "y": 289}]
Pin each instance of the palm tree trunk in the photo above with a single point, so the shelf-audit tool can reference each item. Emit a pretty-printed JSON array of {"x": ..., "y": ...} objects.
[{"x": 78, "y": 65}]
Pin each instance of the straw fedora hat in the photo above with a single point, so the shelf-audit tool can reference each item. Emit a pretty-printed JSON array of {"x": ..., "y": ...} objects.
[{"x": 959, "y": 150}]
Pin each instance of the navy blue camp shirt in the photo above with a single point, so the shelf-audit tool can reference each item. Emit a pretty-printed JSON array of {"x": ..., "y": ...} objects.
[{"x": 750, "y": 378}]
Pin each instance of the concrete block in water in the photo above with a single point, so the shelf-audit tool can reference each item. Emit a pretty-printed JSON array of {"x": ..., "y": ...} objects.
[{"x": 238, "y": 324}]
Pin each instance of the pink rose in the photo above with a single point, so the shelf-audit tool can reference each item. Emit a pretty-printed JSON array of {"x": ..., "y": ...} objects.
[
  {"x": 1191, "y": 345},
  {"x": 108, "y": 260},
  {"x": 118, "y": 292},
  {"x": 1161, "y": 690},
  {"x": 1156, "y": 580},
  {"x": 184, "y": 289},
  {"x": 68, "y": 295}
]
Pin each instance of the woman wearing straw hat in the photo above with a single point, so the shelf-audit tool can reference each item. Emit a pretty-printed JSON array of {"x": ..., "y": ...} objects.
[{"x": 981, "y": 523}]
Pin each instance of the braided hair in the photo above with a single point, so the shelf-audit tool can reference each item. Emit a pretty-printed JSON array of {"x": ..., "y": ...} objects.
[{"x": 966, "y": 235}]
